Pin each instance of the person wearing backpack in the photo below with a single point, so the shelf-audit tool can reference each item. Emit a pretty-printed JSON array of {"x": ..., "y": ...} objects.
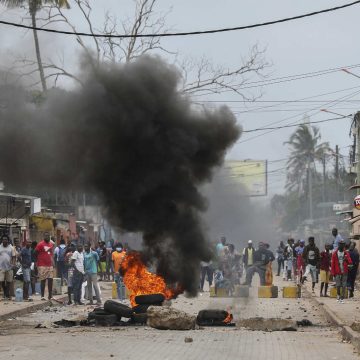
[{"x": 60, "y": 252}]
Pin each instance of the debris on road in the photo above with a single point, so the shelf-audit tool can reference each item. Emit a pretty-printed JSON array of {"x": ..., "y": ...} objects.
[
  {"x": 167, "y": 318},
  {"x": 270, "y": 324}
]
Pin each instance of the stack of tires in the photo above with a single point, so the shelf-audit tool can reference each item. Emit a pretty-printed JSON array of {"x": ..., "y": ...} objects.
[{"x": 114, "y": 311}]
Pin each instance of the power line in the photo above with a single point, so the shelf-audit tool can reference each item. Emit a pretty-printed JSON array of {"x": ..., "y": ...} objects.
[
  {"x": 169, "y": 34},
  {"x": 286, "y": 101},
  {"x": 304, "y": 113},
  {"x": 292, "y": 125}
]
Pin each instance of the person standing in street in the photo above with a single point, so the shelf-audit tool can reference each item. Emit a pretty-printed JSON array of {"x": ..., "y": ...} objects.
[
  {"x": 45, "y": 264},
  {"x": 220, "y": 247},
  {"x": 289, "y": 255},
  {"x": 280, "y": 257},
  {"x": 206, "y": 270},
  {"x": 325, "y": 267},
  {"x": 117, "y": 257},
  {"x": 300, "y": 264},
  {"x": 262, "y": 257},
  {"x": 337, "y": 238},
  {"x": 248, "y": 255},
  {"x": 354, "y": 255},
  {"x": 26, "y": 261},
  {"x": 70, "y": 271},
  {"x": 311, "y": 256},
  {"x": 77, "y": 262},
  {"x": 7, "y": 262},
  {"x": 60, "y": 260},
  {"x": 91, "y": 259},
  {"x": 340, "y": 263},
  {"x": 102, "y": 263}
]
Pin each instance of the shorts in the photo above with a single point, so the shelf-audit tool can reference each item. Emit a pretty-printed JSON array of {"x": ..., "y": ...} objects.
[
  {"x": 311, "y": 269},
  {"x": 26, "y": 275},
  {"x": 45, "y": 272},
  {"x": 324, "y": 276},
  {"x": 341, "y": 280},
  {"x": 6, "y": 275},
  {"x": 102, "y": 266}
]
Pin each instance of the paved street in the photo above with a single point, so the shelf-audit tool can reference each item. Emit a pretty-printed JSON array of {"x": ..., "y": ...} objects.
[{"x": 321, "y": 341}]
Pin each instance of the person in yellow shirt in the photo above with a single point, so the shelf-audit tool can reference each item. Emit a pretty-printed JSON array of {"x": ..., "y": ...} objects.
[
  {"x": 117, "y": 257},
  {"x": 248, "y": 255}
]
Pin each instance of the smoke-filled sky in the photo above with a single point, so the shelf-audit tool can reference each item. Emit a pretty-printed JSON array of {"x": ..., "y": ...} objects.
[
  {"x": 129, "y": 136},
  {"x": 307, "y": 45}
]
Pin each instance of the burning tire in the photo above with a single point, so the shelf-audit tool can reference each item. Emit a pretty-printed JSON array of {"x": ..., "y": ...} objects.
[
  {"x": 140, "y": 309},
  {"x": 118, "y": 309},
  {"x": 105, "y": 320},
  {"x": 139, "y": 318},
  {"x": 152, "y": 299}
]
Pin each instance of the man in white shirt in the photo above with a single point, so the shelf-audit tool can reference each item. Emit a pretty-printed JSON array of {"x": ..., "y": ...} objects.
[
  {"x": 77, "y": 261},
  {"x": 7, "y": 262}
]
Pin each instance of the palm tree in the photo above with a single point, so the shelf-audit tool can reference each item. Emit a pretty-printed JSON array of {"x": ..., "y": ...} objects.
[
  {"x": 305, "y": 151},
  {"x": 34, "y": 7}
]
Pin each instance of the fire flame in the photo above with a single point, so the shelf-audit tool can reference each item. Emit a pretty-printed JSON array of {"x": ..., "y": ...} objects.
[
  {"x": 228, "y": 319},
  {"x": 140, "y": 281}
]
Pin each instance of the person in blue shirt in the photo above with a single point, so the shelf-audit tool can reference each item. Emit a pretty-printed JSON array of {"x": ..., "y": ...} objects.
[
  {"x": 337, "y": 238},
  {"x": 91, "y": 259}
]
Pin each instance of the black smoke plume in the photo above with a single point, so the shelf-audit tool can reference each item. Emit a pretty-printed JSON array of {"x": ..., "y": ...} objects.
[{"x": 132, "y": 138}]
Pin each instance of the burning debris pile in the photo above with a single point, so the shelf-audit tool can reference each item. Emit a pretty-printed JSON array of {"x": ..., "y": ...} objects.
[
  {"x": 130, "y": 137},
  {"x": 148, "y": 293},
  {"x": 139, "y": 281}
]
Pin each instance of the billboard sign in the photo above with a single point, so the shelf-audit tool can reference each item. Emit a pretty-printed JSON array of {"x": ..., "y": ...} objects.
[{"x": 251, "y": 174}]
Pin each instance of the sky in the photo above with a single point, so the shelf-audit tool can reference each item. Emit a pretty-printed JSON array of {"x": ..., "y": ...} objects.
[{"x": 307, "y": 45}]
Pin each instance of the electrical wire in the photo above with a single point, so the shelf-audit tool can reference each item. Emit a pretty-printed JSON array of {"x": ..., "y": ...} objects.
[
  {"x": 170, "y": 34},
  {"x": 293, "y": 125},
  {"x": 301, "y": 114}
]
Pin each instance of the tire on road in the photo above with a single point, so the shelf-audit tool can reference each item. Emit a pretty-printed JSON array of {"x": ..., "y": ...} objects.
[
  {"x": 91, "y": 315},
  {"x": 105, "y": 320},
  {"x": 149, "y": 299},
  {"x": 140, "y": 309},
  {"x": 214, "y": 315},
  {"x": 118, "y": 309},
  {"x": 139, "y": 318}
]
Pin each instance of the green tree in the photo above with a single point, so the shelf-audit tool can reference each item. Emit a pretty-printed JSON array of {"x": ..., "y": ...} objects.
[
  {"x": 34, "y": 6},
  {"x": 305, "y": 151}
]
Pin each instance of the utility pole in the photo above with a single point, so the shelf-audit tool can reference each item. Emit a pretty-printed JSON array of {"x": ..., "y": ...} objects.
[
  {"x": 337, "y": 171},
  {"x": 357, "y": 126},
  {"x": 310, "y": 192}
]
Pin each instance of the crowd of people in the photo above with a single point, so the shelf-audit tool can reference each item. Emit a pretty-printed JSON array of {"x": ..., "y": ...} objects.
[
  {"x": 77, "y": 265},
  {"x": 337, "y": 265},
  {"x": 338, "y": 262},
  {"x": 229, "y": 266}
]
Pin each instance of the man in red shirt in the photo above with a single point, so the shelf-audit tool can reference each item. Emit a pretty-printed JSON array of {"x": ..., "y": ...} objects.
[
  {"x": 45, "y": 264},
  {"x": 340, "y": 263}
]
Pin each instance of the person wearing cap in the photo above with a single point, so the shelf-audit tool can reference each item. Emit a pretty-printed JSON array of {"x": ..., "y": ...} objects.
[
  {"x": 325, "y": 265},
  {"x": 311, "y": 256},
  {"x": 340, "y": 264},
  {"x": 248, "y": 255}
]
